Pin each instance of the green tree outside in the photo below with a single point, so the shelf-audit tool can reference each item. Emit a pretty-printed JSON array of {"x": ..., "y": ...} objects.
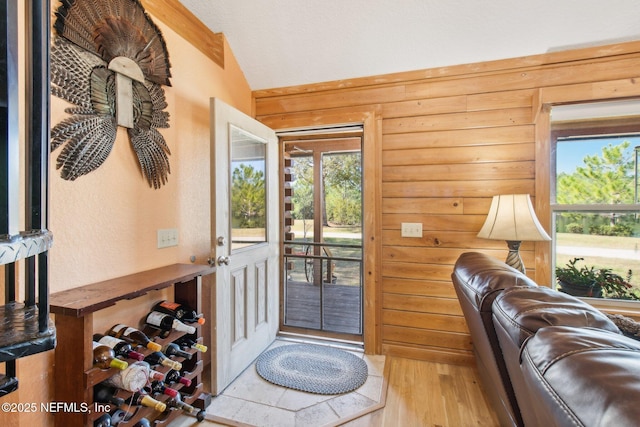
[
  {"x": 248, "y": 197},
  {"x": 343, "y": 183},
  {"x": 603, "y": 179},
  {"x": 342, "y": 178}
]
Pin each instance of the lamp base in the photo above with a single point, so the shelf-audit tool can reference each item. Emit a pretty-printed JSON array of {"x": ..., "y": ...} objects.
[{"x": 513, "y": 258}]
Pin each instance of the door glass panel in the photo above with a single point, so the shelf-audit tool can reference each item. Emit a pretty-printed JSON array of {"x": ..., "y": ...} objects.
[
  {"x": 323, "y": 250},
  {"x": 342, "y": 242},
  {"x": 248, "y": 189}
]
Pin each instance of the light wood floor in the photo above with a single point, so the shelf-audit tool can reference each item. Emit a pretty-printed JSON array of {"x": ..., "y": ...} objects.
[
  {"x": 420, "y": 394},
  {"x": 431, "y": 394}
]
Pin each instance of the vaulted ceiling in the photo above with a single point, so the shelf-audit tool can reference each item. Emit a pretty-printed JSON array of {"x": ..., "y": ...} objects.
[{"x": 282, "y": 43}]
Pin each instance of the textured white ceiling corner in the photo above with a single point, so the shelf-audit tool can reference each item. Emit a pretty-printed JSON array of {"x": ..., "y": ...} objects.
[{"x": 282, "y": 43}]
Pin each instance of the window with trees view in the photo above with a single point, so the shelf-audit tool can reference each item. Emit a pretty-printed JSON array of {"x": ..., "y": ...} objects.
[
  {"x": 248, "y": 212},
  {"x": 595, "y": 205}
]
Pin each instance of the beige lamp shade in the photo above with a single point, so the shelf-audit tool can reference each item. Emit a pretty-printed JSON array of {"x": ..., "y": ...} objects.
[{"x": 511, "y": 217}]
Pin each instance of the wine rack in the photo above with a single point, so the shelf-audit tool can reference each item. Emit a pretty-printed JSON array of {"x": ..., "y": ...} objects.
[{"x": 75, "y": 375}]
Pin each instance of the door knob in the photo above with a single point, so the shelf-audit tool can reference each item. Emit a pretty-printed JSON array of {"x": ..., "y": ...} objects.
[{"x": 223, "y": 260}]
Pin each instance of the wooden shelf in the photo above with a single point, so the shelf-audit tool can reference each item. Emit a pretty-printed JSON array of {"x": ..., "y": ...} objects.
[
  {"x": 75, "y": 375},
  {"x": 78, "y": 302}
]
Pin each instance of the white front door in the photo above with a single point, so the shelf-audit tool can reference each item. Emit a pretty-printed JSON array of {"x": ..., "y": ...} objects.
[{"x": 245, "y": 244}]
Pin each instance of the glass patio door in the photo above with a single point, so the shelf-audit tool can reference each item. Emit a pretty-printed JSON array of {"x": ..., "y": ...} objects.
[{"x": 322, "y": 291}]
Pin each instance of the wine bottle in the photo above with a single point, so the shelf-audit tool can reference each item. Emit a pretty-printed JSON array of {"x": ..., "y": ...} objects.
[
  {"x": 105, "y": 358},
  {"x": 174, "y": 376},
  {"x": 134, "y": 378},
  {"x": 156, "y": 375},
  {"x": 182, "y": 312},
  {"x": 176, "y": 402},
  {"x": 142, "y": 399},
  {"x": 186, "y": 342},
  {"x": 133, "y": 336},
  {"x": 142, "y": 422},
  {"x": 158, "y": 358},
  {"x": 104, "y": 393},
  {"x": 173, "y": 349},
  {"x": 167, "y": 322},
  {"x": 119, "y": 415},
  {"x": 120, "y": 347},
  {"x": 160, "y": 387},
  {"x": 103, "y": 421}
]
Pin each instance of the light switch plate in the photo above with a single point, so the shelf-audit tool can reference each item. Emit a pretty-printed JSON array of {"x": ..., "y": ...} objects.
[
  {"x": 411, "y": 229},
  {"x": 167, "y": 237}
]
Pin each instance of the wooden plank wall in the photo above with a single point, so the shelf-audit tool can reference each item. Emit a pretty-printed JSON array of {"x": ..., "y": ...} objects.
[{"x": 451, "y": 138}]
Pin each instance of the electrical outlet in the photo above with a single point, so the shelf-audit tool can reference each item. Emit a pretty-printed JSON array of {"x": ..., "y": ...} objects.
[
  {"x": 411, "y": 229},
  {"x": 167, "y": 237}
]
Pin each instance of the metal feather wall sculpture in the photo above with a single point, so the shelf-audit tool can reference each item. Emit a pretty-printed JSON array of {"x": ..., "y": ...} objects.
[{"x": 109, "y": 60}]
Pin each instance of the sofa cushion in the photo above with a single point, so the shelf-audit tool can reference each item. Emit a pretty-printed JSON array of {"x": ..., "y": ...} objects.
[
  {"x": 583, "y": 377},
  {"x": 518, "y": 313},
  {"x": 522, "y": 311}
]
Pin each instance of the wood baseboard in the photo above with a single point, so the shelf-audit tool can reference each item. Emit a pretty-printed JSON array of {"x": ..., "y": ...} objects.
[{"x": 452, "y": 357}]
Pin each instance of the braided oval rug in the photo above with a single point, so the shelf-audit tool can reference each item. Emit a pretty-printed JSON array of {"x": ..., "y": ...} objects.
[{"x": 312, "y": 368}]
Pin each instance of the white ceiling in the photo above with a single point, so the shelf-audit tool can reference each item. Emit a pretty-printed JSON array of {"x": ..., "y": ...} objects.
[{"x": 282, "y": 43}]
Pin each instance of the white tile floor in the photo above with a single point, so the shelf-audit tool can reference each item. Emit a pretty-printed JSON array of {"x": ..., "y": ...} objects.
[{"x": 250, "y": 400}]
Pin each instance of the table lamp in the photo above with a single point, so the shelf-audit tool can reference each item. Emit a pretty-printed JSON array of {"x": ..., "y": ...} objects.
[{"x": 512, "y": 218}]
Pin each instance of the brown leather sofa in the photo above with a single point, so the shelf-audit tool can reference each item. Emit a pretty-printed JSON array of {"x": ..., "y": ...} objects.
[
  {"x": 478, "y": 280},
  {"x": 545, "y": 358}
]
